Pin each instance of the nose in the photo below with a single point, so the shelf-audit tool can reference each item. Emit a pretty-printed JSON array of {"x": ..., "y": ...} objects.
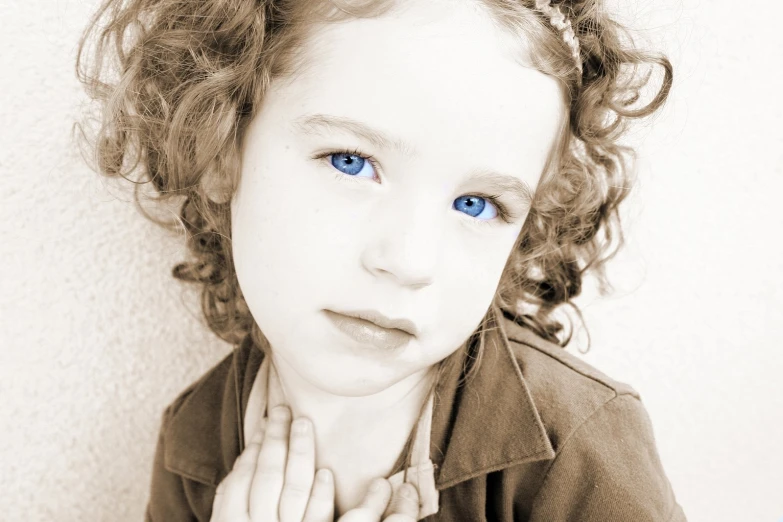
[{"x": 404, "y": 244}]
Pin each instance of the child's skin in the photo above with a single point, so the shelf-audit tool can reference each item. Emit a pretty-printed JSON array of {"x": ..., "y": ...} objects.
[
  {"x": 273, "y": 480},
  {"x": 308, "y": 237}
]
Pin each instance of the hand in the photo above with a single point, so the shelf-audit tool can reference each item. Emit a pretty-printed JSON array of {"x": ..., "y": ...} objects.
[
  {"x": 273, "y": 480},
  {"x": 404, "y": 507}
]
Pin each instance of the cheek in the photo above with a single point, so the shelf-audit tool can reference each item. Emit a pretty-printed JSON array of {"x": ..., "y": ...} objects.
[
  {"x": 475, "y": 261},
  {"x": 285, "y": 237},
  {"x": 466, "y": 299},
  {"x": 466, "y": 291}
]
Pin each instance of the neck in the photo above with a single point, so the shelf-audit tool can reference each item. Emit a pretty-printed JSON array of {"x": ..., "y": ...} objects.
[
  {"x": 334, "y": 414},
  {"x": 357, "y": 438}
]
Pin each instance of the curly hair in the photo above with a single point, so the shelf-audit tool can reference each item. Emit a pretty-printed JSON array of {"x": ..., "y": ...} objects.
[{"x": 189, "y": 76}]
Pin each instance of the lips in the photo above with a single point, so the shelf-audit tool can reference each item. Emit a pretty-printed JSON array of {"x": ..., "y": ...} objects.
[
  {"x": 368, "y": 333},
  {"x": 381, "y": 320}
]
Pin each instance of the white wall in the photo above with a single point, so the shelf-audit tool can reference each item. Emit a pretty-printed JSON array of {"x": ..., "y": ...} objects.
[{"x": 97, "y": 337}]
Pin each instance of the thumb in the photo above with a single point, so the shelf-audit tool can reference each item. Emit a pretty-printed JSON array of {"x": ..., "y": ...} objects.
[{"x": 404, "y": 505}]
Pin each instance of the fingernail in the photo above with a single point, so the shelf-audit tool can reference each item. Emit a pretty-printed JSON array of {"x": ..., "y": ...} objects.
[
  {"x": 301, "y": 426},
  {"x": 279, "y": 413},
  {"x": 324, "y": 476}
]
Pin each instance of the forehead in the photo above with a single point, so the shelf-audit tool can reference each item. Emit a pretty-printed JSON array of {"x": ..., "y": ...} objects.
[{"x": 433, "y": 73}]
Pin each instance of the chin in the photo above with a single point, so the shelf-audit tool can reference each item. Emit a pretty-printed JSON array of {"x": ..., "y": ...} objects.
[{"x": 347, "y": 386}]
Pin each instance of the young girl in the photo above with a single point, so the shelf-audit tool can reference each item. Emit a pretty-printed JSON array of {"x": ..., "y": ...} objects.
[{"x": 387, "y": 201}]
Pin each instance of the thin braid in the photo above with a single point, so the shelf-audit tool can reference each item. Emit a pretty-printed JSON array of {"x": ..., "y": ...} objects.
[{"x": 562, "y": 24}]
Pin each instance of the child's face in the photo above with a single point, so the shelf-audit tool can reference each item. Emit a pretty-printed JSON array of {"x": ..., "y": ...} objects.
[{"x": 401, "y": 238}]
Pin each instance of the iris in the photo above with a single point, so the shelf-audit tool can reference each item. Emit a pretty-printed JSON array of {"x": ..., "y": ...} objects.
[{"x": 349, "y": 163}]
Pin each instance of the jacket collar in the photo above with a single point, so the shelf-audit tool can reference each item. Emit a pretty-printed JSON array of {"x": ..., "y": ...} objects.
[
  {"x": 491, "y": 422},
  {"x": 487, "y": 424}
]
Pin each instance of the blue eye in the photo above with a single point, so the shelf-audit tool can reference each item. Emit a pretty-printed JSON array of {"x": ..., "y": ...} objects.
[
  {"x": 473, "y": 205},
  {"x": 354, "y": 163},
  {"x": 350, "y": 163}
]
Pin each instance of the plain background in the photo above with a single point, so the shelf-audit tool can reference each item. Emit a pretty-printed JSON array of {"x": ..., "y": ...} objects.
[{"x": 97, "y": 337}]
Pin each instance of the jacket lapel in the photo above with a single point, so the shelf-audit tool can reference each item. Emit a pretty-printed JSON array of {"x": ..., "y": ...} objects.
[{"x": 490, "y": 422}]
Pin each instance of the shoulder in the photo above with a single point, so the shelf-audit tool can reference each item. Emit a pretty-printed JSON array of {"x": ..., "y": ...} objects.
[
  {"x": 200, "y": 427},
  {"x": 185, "y": 457},
  {"x": 531, "y": 349},
  {"x": 566, "y": 389},
  {"x": 210, "y": 385},
  {"x": 220, "y": 379},
  {"x": 606, "y": 464}
]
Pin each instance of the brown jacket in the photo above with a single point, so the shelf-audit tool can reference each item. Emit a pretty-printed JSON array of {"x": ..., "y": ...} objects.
[{"x": 537, "y": 436}]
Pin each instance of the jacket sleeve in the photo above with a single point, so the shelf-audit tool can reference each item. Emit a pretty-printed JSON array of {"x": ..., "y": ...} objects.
[
  {"x": 167, "y": 500},
  {"x": 608, "y": 470}
]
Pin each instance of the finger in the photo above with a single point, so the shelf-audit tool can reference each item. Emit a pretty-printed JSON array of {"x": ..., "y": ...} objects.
[
  {"x": 404, "y": 504},
  {"x": 299, "y": 471},
  {"x": 320, "y": 507},
  {"x": 231, "y": 496},
  {"x": 373, "y": 504},
  {"x": 397, "y": 517},
  {"x": 217, "y": 503},
  {"x": 377, "y": 497},
  {"x": 267, "y": 482}
]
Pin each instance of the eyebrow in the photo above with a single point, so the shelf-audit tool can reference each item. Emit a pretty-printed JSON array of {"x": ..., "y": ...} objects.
[{"x": 320, "y": 124}]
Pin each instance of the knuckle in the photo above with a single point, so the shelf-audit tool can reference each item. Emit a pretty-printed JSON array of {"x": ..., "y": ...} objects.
[
  {"x": 273, "y": 458},
  {"x": 230, "y": 482},
  {"x": 272, "y": 461},
  {"x": 270, "y": 473},
  {"x": 300, "y": 446},
  {"x": 297, "y": 490},
  {"x": 276, "y": 434},
  {"x": 279, "y": 420},
  {"x": 246, "y": 458},
  {"x": 241, "y": 466}
]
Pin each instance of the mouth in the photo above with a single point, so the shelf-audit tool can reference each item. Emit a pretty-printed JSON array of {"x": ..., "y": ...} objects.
[
  {"x": 367, "y": 332},
  {"x": 378, "y": 319}
]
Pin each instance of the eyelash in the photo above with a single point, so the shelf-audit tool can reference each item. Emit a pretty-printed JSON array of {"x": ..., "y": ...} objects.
[{"x": 503, "y": 213}]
